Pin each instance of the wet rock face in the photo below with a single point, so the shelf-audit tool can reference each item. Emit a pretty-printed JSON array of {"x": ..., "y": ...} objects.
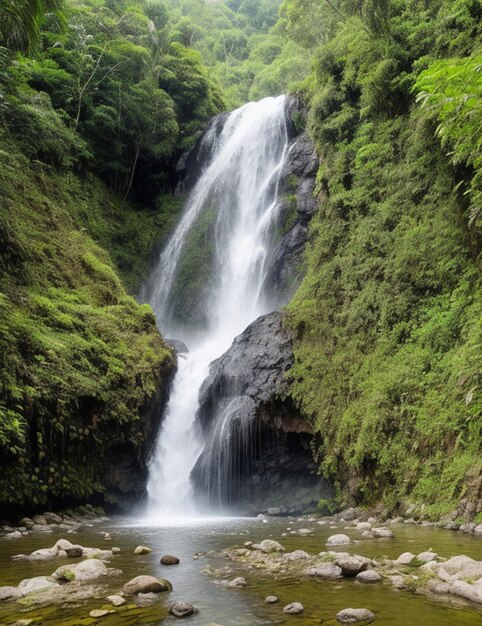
[
  {"x": 126, "y": 470},
  {"x": 258, "y": 455},
  {"x": 191, "y": 163},
  {"x": 251, "y": 373},
  {"x": 298, "y": 205}
]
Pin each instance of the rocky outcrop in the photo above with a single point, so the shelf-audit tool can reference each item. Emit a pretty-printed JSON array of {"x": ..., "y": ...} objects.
[
  {"x": 252, "y": 372},
  {"x": 126, "y": 467},
  {"x": 297, "y": 206},
  {"x": 192, "y": 162},
  {"x": 258, "y": 455}
]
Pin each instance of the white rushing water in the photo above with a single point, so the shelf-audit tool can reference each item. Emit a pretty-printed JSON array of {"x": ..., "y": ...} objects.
[{"x": 239, "y": 182}]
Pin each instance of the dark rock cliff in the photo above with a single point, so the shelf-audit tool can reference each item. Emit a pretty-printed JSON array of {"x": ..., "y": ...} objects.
[
  {"x": 259, "y": 451},
  {"x": 297, "y": 207},
  {"x": 127, "y": 465}
]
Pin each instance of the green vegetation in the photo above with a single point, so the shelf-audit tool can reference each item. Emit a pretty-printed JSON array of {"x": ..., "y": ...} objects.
[
  {"x": 89, "y": 135},
  {"x": 80, "y": 359},
  {"x": 98, "y": 99},
  {"x": 245, "y": 49},
  {"x": 388, "y": 318},
  {"x": 195, "y": 270}
]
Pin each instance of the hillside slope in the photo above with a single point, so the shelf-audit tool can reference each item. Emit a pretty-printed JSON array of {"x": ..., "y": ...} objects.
[
  {"x": 83, "y": 364},
  {"x": 389, "y": 316}
]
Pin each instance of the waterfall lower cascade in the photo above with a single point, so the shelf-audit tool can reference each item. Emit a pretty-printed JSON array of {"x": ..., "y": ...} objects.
[{"x": 208, "y": 284}]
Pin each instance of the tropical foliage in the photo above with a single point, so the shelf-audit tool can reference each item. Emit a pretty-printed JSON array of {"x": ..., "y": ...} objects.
[
  {"x": 99, "y": 98},
  {"x": 388, "y": 317}
]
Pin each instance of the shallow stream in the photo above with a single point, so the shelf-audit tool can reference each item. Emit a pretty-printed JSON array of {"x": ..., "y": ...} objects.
[{"x": 236, "y": 607}]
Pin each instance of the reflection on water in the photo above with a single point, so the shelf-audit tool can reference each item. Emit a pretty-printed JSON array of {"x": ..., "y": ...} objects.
[{"x": 237, "y": 607}]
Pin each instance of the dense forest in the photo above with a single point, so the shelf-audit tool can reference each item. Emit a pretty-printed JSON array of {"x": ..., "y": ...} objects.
[{"x": 98, "y": 101}]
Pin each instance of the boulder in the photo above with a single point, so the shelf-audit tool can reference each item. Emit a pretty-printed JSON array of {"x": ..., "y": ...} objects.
[
  {"x": 398, "y": 582},
  {"x": 96, "y": 553},
  {"x": 368, "y": 577},
  {"x": 142, "y": 550},
  {"x": 246, "y": 391},
  {"x": 478, "y": 529},
  {"x": 349, "y": 514},
  {"x": 53, "y": 518},
  {"x": 338, "y": 540},
  {"x": 27, "y": 522},
  {"x": 456, "y": 568},
  {"x": 182, "y": 609},
  {"x": 471, "y": 592},
  {"x": 9, "y": 593},
  {"x": 236, "y": 582},
  {"x": 427, "y": 557},
  {"x": 44, "y": 554},
  {"x": 327, "y": 570},
  {"x": 268, "y": 545},
  {"x": 146, "y": 584},
  {"x": 295, "y": 608},
  {"x": 147, "y": 599},
  {"x": 254, "y": 366},
  {"x": 297, "y": 555},
  {"x": 271, "y": 599},
  {"x": 116, "y": 600},
  {"x": 63, "y": 544},
  {"x": 382, "y": 533},
  {"x": 405, "y": 559},
  {"x": 351, "y": 565},
  {"x": 74, "y": 552},
  {"x": 15, "y": 534},
  {"x": 354, "y": 616},
  {"x": 85, "y": 570},
  {"x": 169, "y": 559},
  {"x": 40, "y": 520},
  {"x": 99, "y": 613},
  {"x": 39, "y": 583}
]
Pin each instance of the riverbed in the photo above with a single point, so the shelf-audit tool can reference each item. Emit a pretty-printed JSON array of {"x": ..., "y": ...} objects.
[{"x": 198, "y": 544}]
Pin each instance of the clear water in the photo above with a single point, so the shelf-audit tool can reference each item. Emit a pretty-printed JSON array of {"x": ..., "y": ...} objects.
[
  {"x": 240, "y": 182},
  {"x": 238, "y": 607}
]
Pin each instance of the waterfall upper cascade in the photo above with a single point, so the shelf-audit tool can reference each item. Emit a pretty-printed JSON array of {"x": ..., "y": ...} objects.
[{"x": 208, "y": 284}]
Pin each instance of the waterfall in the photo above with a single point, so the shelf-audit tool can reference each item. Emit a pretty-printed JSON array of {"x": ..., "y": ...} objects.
[{"x": 208, "y": 284}]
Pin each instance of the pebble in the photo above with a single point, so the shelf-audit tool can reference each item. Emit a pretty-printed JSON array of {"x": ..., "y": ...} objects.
[
  {"x": 99, "y": 613},
  {"x": 116, "y": 600},
  {"x": 405, "y": 559},
  {"x": 169, "y": 559},
  {"x": 142, "y": 550},
  {"x": 352, "y": 616},
  {"x": 182, "y": 609},
  {"x": 338, "y": 540},
  {"x": 368, "y": 577},
  {"x": 295, "y": 608},
  {"x": 237, "y": 582}
]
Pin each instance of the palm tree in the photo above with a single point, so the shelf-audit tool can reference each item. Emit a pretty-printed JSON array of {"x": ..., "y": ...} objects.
[{"x": 20, "y": 22}]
